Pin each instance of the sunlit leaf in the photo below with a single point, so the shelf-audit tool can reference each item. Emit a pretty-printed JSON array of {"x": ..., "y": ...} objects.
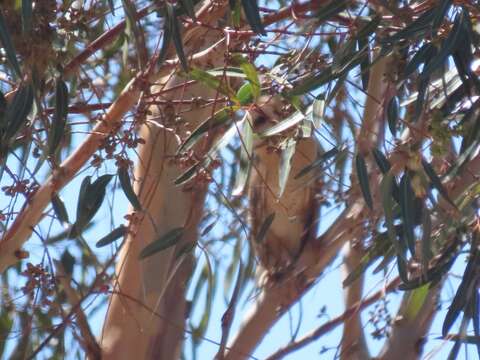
[
  {"x": 285, "y": 164},
  {"x": 416, "y": 299},
  {"x": 246, "y": 153}
]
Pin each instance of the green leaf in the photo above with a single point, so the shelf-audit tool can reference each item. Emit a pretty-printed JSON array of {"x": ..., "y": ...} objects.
[
  {"x": 176, "y": 35},
  {"x": 283, "y": 125},
  {"x": 26, "y": 16},
  {"x": 8, "y": 46},
  {"x": 6, "y": 325},
  {"x": 333, "y": 8},
  {"x": 18, "y": 110},
  {"x": 426, "y": 52},
  {"x": 362, "y": 175},
  {"x": 219, "y": 144},
  {"x": 252, "y": 13},
  {"x": 245, "y": 94},
  {"x": 68, "y": 262},
  {"x": 441, "y": 11},
  {"x": 407, "y": 211},
  {"x": 415, "y": 28},
  {"x": 89, "y": 201},
  {"x": 164, "y": 242},
  {"x": 60, "y": 118},
  {"x": 264, "y": 228},
  {"x": 111, "y": 5},
  {"x": 59, "y": 208},
  {"x": 318, "y": 111},
  {"x": 251, "y": 74},
  {"x": 285, "y": 164},
  {"x": 426, "y": 237},
  {"x": 436, "y": 182},
  {"x": 112, "y": 236},
  {"x": 380, "y": 247},
  {"x": 246, "y": 153},
  {"x": 189, "y": 8},
  {"x": 381, "y": 160},
  {"x": 190, "y": 173},
  {"x": 167, "y": 39},
  {"x": 212, "y": 82},
  {"x": 453, "y": 40},
  {"x": 416, "y": 300},
  {"x": 461, "y": 297},
  {"x": 220, "y": 118},
  {"x": 313, "y": 82},
  {"x": 320, "y": 161},
  {"x": 392, "y": 115},
  {"x": 386, "y": 187},
  {"x": 127, "y": 188}
]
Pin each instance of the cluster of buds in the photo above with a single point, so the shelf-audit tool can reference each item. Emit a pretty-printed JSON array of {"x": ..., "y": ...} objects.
[
  {"x": 381, "y": 320},
  {"x": 39, "y": 278},
  {"x": 20, "y": 187}
]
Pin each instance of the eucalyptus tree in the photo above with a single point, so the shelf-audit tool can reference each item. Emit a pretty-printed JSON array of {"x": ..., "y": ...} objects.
[{"x": 157, "y": 156}]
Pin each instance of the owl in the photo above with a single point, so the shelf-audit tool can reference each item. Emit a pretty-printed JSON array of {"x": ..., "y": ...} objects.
[{"x": 295, "y": 211}]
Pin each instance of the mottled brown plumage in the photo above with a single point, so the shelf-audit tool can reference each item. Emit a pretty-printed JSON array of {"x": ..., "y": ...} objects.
[{"x": 295, "y": 211}]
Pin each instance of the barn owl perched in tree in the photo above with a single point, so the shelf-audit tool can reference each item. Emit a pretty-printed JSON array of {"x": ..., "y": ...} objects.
[{"x": 294, "y": 224}]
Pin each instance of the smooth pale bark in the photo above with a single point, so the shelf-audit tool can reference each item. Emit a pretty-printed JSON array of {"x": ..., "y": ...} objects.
[
  {"x": 146, "y": 315},
  {"x": 353, "y": 345}
]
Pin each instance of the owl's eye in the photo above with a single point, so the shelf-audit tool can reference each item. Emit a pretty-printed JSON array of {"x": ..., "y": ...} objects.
[{"x": 260, "y": 120}]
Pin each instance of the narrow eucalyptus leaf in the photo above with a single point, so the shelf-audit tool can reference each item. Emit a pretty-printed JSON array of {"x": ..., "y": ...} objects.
[
  {"x": 318, "y": 111},
  {"x": 246, "y": 153},
  {"x": 262, "y": 232},
  {"x": 127, "y": 188},
  {"x": 285, "y": 164},
  {"x": 252, "y": 13},
  {"x": 68, "y": 262},
  {"x": 60, "y": 118},
  {"x": 381, "y": 160},
  {"x": 407, "y": 210},
  {"x": 18, "y": 110},
  {"x": 331, "y": 9},
  {"x": 112, "y": 236},
  {"x": 421, "y": 56},
  {"x": 220, "y": 118},
  {"x": 60, "y": 209},
  {"x": 176, "y": 35},
  {"x": 436, "y": 182},
  {"x": 164, "y": 242},
  {"x": 317, "y": 163},
  {"x": 189, "y": 8},
  {"x": 7, "y": 44},
  {"x": 362, "y": 175},
  {"x": 392, "y": 115},
  {"x": 26, "y": 15}
]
